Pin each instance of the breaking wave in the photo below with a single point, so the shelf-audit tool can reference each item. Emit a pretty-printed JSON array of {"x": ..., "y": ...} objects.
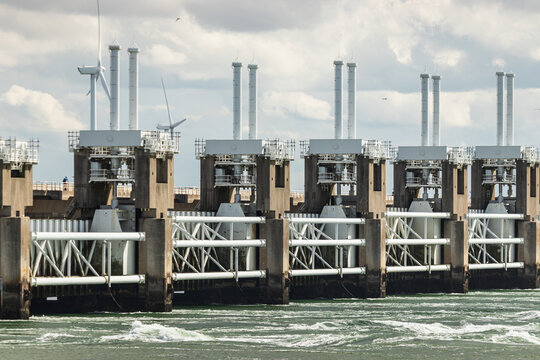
[{"x": 156, "y": 333}]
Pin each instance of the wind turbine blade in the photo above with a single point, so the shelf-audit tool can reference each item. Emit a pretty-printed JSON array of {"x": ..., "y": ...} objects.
[
  {"x": 99, "y": 34},
  {"x": 166, "y": 101},
  {"x": 177, "y": 123},
  {"x": 105, "y": 86}
]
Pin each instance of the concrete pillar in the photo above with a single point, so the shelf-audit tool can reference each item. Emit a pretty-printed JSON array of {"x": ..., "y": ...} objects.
[
  {"x": 273, "y": 186},
  {"x": 375, "y": 258},
  {"x": 155, "y": 261},
  {"x": 481, "y": 195},
  {"x": 455, "y": 190},
  {"x": 315, "y": 196},
  {"x": 275, "y": 259},
  {"x": 88, "y": 196},
  {"x": 529, "y": 253},
  {"x": 457, "y": 255},
  {"x": 211, "y": 196},
  {"x": 15, "y": 267},
  {"x": 370, "y": 187},
  {"x": 402, "y": 195},
  {"x": 527, "y": 189}
]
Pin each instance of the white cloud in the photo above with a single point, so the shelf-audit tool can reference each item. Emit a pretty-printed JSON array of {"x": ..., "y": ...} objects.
[
  {"x": 295, "y": 104},
  {"x": 39, "y": 111}
]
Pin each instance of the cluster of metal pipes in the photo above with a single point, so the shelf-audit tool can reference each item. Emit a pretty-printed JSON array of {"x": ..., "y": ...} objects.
[
  {"x": 133, "y": 88},
  {"x": 436, "y": 135},
  {"x": 509, "y": 108},
  {"x": 237, "y": 101},
  {"x": 338, "y": 100}
]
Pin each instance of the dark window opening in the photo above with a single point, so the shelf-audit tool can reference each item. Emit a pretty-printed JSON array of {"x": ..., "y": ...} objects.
[
  {"x": 533, "y": 181},
  {"x": 280, "y": 176},
  {"x": 17, "y": 173},
  {"x": 377, "y": 177},
  {"x": 461, "y": 182},
  {"x": 161, "y": 171}
]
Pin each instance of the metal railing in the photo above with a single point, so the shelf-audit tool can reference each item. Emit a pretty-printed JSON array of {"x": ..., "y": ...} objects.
[
  {"x": 18, "y": 153},
  {"x": 410, "y": 250},
  {"x": 317, "y": 248},
  {"x": 63, "y": 252},
  {"x": 212, "y": 247},
  {"x": 489, "y": 248}
]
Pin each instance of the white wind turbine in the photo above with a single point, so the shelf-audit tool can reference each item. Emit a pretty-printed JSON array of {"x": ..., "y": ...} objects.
[
  {"x": 171, "y": 126},
  {"x": 95, "y": 72}
]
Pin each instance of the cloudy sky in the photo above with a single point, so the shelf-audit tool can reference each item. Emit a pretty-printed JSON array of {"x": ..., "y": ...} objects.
[{"x": 42, "y": 95}]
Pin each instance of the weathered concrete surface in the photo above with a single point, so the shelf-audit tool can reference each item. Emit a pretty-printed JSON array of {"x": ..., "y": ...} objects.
[
  {"x": 370, "y": 187},
  {"x": 455, "y": 190},
  {"x": 481, "y": 195},
  {"x": 15, "y": 191},
  {"x": 275, "y": 259},
  {"x": 375, "y": 258},
  {"x": 315, "y": 196},
  {"x": 529, "y": 253},
  {"x": 457, "y": 255},
  {"x": 154, "y": 183},
  {"x": 527, "y": 189},
  {"x": 88, "y": 196},
  {"x": 15, "y": 267},
  {"x": 155, "y": 261},
  {"x": 212, "y": 197},
  {"x": 273, "y": 194}
]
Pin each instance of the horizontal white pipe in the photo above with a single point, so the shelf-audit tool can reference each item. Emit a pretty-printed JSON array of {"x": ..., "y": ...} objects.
[
  {"x": 417, "y": 241},
  {"x": 417, "y": 268},
  {"x": 512, "y": 265},
  {"x": 327, "y": 220},
  {"x": 496, "y": 216},
  {"x": 252, "y": 274},
  {"x": 327, "y": 242},
  {"x": 89, "y": 236},
  {"x": 87, "y": 280},
  {"x": 219, "y": 243},
  {"x": 410, "y": 215},
  {"x": 328, "y": 272},
  {"x": 496, "y": 241},
  {"x": 220, "y": 219}
]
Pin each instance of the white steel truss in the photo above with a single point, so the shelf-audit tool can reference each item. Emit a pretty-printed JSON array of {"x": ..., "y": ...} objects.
[
  {"x": 313, "y": 252},
  {"x": 201, "y": 251},
  {"x": 70, "y": 258},
  {"x": 408, "y": 250},
  {"x": 488, "y": 248}
]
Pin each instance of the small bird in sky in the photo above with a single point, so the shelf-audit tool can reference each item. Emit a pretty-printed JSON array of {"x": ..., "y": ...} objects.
[
  {"x": 384, "y": 98},
  {"x": 178, "y": 18}
]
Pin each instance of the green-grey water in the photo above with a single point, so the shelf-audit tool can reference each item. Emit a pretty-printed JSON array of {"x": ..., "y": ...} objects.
[{"x": 479, "y": 325}]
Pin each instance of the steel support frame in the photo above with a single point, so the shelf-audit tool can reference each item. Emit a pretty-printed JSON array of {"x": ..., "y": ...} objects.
[
  {"x": 195, "y": 243},
  {"x": 308, "y": 237},
  {"x": 403, "y": 243}
]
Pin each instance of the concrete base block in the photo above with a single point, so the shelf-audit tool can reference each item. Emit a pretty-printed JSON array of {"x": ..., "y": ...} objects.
[
  {"x": 155, "y": 260},
  {"x": 275, "y": 259},
  {"x": 375, "y": 260},
  {"x": 529, "y": 253},
  {"x": 15, "y": 267},
  {"x": 457, "y": 255}
]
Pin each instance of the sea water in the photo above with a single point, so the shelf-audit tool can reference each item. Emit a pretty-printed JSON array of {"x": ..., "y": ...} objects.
[{"x": 478, "y": 325}]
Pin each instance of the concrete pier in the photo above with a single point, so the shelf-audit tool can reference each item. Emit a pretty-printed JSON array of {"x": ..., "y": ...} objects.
[
  {"x": 274, "y": 258},
  {"x": 15, "y": 195},
  {"x": 457, "y": 255},
  {"x": 155, "y": 261},
  {"x": 375, "y": 258},
  {"x": 15, "y": 267}
]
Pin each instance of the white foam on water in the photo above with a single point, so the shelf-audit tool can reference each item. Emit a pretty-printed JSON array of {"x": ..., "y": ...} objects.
[
  {"x": 156, "y": 333},
  {"x": 512, "y": 335},
  {"x": 53, "y": 336},
  {"x": 528, "y": 315},
  {"x": 325, "y": 325}
]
